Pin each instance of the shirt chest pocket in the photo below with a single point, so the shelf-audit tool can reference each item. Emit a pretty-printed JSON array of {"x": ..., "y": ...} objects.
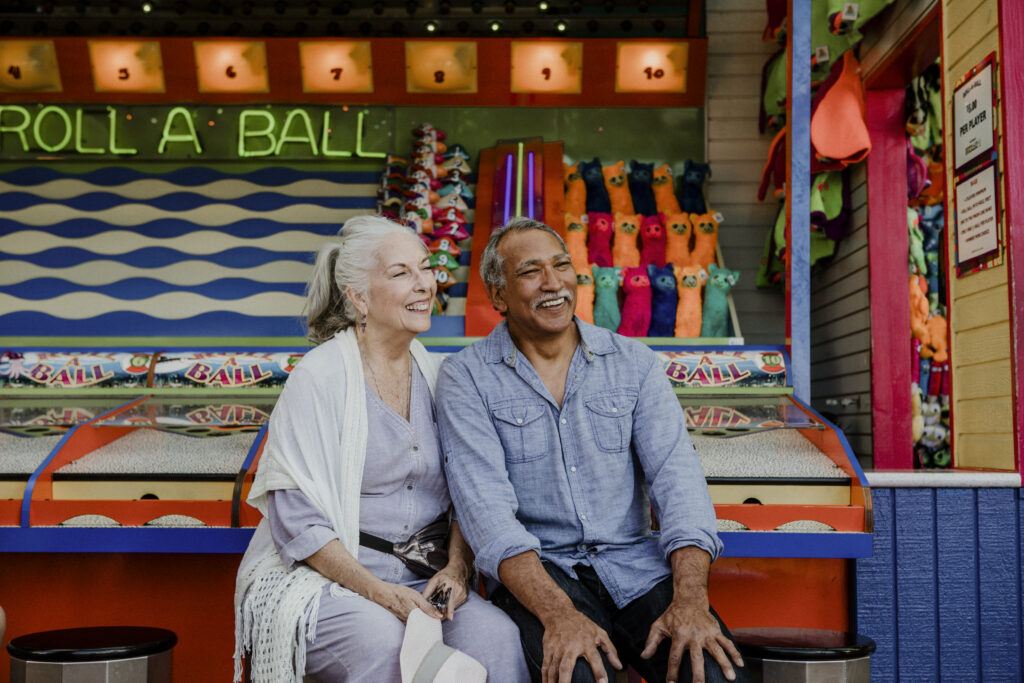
[
  {"x": 523, "y": 429},
  {"x": 611, "y": 419}
]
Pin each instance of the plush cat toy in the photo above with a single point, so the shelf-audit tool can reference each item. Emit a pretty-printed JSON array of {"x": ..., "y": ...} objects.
[
  {"x": 597, "y": 200},
  {"x": 640, "y": 178},
  {"x": 625, "y": 253},
  {"x": 691, "y": 281},
  {"x": 705, "y": 239},
  {"x": 636, "y": 308},
  {"x": 575, "y": 191},
  {"x": 653, "y": 240},
  {"x": 618, "y": 191},
  {"x": 694, "y": 175},
  {"x": 664, "y": 192},
  {"x": 600, "y": 227},
  {"x": 576, "y": 240},
  {"x": 677, "y": 234},
  {"x": 664, "y": 299},
  {"x": 606, "y": 297},
  {"x": 918, "y": 308},
  {"x": 716, "y": 304},
  {"x": 585, "y": 295}
]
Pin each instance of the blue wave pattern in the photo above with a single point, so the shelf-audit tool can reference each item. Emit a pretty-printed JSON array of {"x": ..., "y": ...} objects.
[{"x": 35, "y": 282}]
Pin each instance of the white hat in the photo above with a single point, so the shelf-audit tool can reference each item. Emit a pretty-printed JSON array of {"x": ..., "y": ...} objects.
[{"x": 426, "y": 659}]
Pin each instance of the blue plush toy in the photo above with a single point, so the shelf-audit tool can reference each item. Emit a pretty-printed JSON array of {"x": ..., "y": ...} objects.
[
  {"x": 597, "y": 194},
  {"x": 692, "y": 198},
  {"x": 716, "y": 303},
  {"x": 606, "y": 297},
  {"x": 664, "y": 301},
  {"x": 640, "y": 177}
]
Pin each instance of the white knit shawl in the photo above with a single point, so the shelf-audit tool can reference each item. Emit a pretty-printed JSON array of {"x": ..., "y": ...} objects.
[{"x": 316, "y": 443}]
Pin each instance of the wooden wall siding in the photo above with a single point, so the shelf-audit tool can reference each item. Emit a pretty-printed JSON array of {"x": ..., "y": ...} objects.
[
  {"x": 884, "y": 37},
  {"x": 941, "y": 596},
  {"x": 841, "y": 329},
  {"x": 737, "y": 152},
  {"x": 979, "y": 319}
]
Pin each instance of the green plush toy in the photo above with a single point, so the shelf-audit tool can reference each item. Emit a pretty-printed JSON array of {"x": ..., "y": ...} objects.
[
  {"x": 606, "y": 297},
  {"x": 716, "y": 303},
  {"x": 916, "y": 243}
]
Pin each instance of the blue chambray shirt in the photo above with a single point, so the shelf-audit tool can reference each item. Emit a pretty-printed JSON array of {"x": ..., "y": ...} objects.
[{"x": 572, "y": 482}]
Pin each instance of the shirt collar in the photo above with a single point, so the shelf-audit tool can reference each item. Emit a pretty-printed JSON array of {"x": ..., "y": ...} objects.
[{"x": 593, "y": 340}]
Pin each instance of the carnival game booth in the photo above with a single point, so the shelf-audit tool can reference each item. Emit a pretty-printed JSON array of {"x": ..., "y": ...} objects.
[{"x": 154, "y": 269}]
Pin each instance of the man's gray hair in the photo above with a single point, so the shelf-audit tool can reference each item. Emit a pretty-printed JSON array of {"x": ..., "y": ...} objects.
[{"x": 492, "y": 265}]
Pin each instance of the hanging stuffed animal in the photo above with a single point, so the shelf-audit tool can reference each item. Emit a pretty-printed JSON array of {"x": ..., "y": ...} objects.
[
  {"x": 618, "y": 191},
  {"x": 691, "y": 281},
  {"x": 677, "y": 234},
  {"x": 597, "y": 200},
  {"x": 935, "y": 347},
  {"x": 575, "y": 191},
  {"x": 664, "y": 192},
  {"x": 585, "y": 295},
  {"x": 705, "y": 239},
  {"x": 917, "y": 264},
  {"x": 636, "y": 308},
  {"x": 694, "y": 175},
  {"x": 664, "y": 300},
  {"x": 625, "y": 252},
  {"x": 653, "y": 240},
  {"x": 576, "y": 240},
  {"x": 918, "y": 308},
  {"x": 641, "y": 177},
  {"x": 600, "y": 227},
  {"x": 715, "y": 322},
  {"x": 606, "y": 297}
]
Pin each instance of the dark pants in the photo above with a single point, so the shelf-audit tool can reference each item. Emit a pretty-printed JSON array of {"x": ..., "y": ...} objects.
[{"x": 628, "y": 628}]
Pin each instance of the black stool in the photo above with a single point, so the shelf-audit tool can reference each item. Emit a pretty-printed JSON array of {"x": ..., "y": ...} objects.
[
  {"x": 799, "y": 655},
  {"x": 128, "y": 654}
]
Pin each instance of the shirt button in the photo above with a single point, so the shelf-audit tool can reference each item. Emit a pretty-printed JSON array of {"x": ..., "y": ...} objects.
[
  {"x": 409, "y": 487},
  {"x": 615, "y": 410},
  {"x": 415, "y": 448},
  {"x": 405, "y": 527},
  {"x": 583, "y": 516},
  {"x": 573, "y": 468},
  {"x": 563, "y": 420},
  {"x": 582, "y": 547},
  {"x": 519, "y": 420}
]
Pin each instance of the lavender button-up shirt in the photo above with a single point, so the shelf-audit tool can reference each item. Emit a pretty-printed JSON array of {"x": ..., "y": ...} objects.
[{"x": 573, "y": 482}]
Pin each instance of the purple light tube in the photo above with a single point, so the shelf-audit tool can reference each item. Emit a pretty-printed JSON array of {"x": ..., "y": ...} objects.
[
  {"x": 508, "y": 187},
  {"x": 529, "y": 186}
]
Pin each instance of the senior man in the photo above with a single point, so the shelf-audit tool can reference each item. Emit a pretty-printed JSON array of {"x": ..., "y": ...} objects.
[{"x": 556, "y": 436}]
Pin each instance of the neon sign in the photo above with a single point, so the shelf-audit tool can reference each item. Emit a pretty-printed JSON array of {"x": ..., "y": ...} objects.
[{"x": 207, "y": 132}]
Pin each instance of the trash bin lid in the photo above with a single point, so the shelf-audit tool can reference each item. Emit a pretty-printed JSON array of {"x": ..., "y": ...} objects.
[
  {"x": 801, "y": 644},
  {"x": 91, "y": 644}
]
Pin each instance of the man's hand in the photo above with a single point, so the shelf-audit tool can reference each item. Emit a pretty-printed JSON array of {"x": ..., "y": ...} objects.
[
  {"x": 691, "y": 627},
  {"x": 568, "y": 637}
]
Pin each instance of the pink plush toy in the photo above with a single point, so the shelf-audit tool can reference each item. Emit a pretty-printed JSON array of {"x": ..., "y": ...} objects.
[
  {"x": 653, "y": 240},
  {"x": 636, "y": 309},
  {"x": 599, "y": 244},
  {"x": 625, "y": 252}
]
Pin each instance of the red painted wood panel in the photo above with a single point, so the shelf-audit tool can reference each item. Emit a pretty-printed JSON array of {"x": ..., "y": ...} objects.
[{"x": 889, "y": 280}]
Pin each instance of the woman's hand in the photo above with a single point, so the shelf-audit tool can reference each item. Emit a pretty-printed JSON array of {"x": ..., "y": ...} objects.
[
  {"x": 401, "y": 600},
  {"x": 453, "y": 576}
]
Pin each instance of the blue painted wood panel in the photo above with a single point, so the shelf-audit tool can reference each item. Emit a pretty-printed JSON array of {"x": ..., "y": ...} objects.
[
  {"x": 916, "y": 584},
  {"x": 957, "y": 553},
  {"x": 942, "y": 595}
]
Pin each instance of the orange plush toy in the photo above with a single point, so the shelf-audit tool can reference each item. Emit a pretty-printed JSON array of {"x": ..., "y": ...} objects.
[
  {"x": 664, "y": 193},
  {"x": 705, "y": 239},
  {"x": 935, "y": 346},
  {"x": 618, "y": 188},
  {"x": 576, "y": 241},
  {"x": 625, "y": 252},
  {"x": 585, "y": 294},
  {"x": 678, "y": 231},
  {"x": 919, "y": 309},
  {"x": 575, "y": 190},
  {"x": 688, "y": 311}
]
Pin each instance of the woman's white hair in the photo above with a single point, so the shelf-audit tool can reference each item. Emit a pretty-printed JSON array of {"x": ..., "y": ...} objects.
[{"x": 346, "y": 263}]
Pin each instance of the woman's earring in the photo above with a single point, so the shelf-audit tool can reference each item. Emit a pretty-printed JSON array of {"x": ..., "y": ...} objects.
[{"x": 362, "y": 325}]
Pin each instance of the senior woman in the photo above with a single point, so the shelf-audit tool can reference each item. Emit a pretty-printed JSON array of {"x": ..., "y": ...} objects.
[{"x": 353, "y": 447}]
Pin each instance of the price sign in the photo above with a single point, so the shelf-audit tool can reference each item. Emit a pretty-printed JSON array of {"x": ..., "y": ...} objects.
[
  {"x": 336, "y": 66},
  {"x": 441, "y": 66},
  {"x": 555, "y": 67},
  {"x": 231, "y": 66},
  {"x": 974, "y": 106},
  {"x": 126, "y": 66},
  {"x": 651, "y": 67},
  {"x": 28, "y": 66}
]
